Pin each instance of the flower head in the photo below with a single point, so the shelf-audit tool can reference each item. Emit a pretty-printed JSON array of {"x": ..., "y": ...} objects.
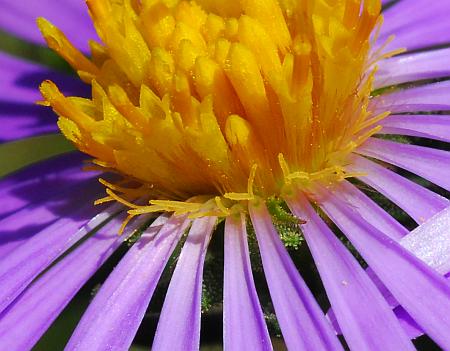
[
  {"x": 238, "y": 101},
  {"x": 263, "y": 113}
]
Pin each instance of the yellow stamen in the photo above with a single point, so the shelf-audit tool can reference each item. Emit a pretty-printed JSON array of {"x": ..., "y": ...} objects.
[
  {"x": 120, "y": 199},
  {"x": 125, "y": 223},
  {"x": 221, "y": 206},
  {"x": 103, "y": 200}
]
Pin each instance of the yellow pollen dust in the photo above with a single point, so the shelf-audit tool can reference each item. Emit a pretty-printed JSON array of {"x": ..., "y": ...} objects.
[{"x": 201, "y": 105}]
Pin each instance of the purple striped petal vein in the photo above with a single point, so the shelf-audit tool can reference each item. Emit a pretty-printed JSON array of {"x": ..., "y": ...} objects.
[
  {"x": 302, "y": 322},
  {"x": 40, "y": 304},
  {"x": 366, "y": 326},
  {"x": 423, "y": 293},
  {"x": 113, "y": 317},
  {"x": 243, "y": 320},
  {"x": 179, "y": 322}
]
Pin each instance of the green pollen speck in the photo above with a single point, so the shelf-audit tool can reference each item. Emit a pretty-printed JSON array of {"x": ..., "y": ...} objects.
[
  {"x": 287, "y": 225},
  {"x": 207, "y": 299}
]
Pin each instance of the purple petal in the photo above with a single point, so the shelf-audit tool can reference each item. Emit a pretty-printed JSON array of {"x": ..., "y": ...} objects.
[
  {"x": 403, "y": 14},
  {"x": 24, "y": 121},
  {"x": 71, "y": 16},
  {"x": 435, "y": 252},
  {"x": 422, "y": 292},
  {"x": 38, "y": 306},
  {"x": 416, "y": 24},
  {"x": 114, "y": 315},
  {"x": 365, "y": 326},
  {"x": 431, "y": 164},
  {"x": 25, "y": 262},
  {"x": 244, "y": 325},
  {"x": 408, "y": 324},
  {"x": 19, "y": 82},
  {"x": 41, "y": 182},
  {"x": 431, "y": 242},
  {"x": 370, "y": 211},
  {"x": 425, "y": 126},
  {"x": 302, "y": 322},
  {"x": 392, "y": 302},
  {"x": 411, "y": 328},
  {"x": 412, "y": 67},
  {"x": 419, "y": 202},
  {"x": 429, "y": 97},
  {"x": 179, "y": 323},
  {"x": 54, "y": 212}
]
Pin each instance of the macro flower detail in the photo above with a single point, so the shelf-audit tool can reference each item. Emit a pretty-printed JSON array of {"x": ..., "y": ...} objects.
[
  {"x": 258, "y": 120},
  {"x": 218, "y": 100}
]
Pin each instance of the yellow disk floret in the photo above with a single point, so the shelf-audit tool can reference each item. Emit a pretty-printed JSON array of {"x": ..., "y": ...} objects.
[{"x": 203, "y": 104}]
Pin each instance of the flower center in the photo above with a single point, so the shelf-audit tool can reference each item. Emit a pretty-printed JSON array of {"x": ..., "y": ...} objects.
[{"x": 219, "y": 99}]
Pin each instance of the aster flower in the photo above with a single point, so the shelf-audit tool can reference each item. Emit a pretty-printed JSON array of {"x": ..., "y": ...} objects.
[{"x": 247, "y": 112}]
